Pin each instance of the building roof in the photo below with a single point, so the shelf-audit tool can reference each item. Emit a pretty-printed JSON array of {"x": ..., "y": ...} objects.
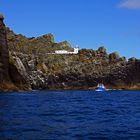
[{"x": 1, "y": 16}]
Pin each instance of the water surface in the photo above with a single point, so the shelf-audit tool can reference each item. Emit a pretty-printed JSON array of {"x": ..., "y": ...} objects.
[{"x": 70, "y": 115}]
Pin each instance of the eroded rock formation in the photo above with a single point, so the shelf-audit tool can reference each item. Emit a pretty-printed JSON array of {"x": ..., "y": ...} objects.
[
  {"x": 4, "y": 53},
  {"x": 8, "y": 71},
  {"x": 31, "y": 65}
]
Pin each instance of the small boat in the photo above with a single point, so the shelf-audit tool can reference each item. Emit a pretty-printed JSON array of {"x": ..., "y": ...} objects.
[{"x": 100, "y": 87}]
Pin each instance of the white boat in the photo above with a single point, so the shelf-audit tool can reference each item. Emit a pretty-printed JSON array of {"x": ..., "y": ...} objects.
[{"x": 100, "y": 87}]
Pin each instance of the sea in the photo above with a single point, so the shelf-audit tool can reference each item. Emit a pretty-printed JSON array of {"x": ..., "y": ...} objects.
[{"x": 70, "y": 115}]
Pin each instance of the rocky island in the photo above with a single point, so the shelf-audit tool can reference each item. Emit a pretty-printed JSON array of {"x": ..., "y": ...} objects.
[{"x": 29, "y": 63}]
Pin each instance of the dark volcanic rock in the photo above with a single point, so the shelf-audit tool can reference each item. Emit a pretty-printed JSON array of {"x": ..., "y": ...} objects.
[
  {"x": 9, "y": 77},
  {"x": 4, "y": 53},
  {"x": 34, "y": 45},
  {"x": 32, "y": 65},
  {"x": 113, "y": 57},
  {"x": 132, "y": 59}
]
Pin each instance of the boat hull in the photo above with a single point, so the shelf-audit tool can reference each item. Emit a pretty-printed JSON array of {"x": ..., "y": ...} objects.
[{"x": 100, "y": 89}]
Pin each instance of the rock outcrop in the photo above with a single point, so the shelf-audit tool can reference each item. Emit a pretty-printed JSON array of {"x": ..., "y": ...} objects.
[
  {"x": 5, "y": 81},
  {"x": 81, "y": 71},
  {"x": 4, "y": 53},
  {"x": 8, "y": 71},
  {"x": 31, "y": 65},
  {"x": 34, "y": 45}
]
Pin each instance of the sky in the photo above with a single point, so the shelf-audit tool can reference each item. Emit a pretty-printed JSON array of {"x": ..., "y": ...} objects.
[{"x": 114, "y": 24}]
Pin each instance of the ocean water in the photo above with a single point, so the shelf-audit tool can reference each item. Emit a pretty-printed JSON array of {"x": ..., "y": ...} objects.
[{"x": 70, "y": 115}]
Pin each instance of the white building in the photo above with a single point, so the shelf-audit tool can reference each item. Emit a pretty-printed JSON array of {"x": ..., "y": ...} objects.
[
  {"x": 76, "y": 49},
  {"x": 61, "y": 52}
]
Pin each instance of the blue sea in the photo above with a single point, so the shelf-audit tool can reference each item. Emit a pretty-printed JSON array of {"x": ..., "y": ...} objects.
[{"x": 70, "y": 115}]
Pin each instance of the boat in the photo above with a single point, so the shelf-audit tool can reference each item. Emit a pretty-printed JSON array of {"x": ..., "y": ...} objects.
[{"x": 100, "y": 87}]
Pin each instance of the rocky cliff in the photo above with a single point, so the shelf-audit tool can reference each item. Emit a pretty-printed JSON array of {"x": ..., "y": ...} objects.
[
  {"x": 8, "y": 71},
  {"x": 29, "y": 64},
  {"x": 5, "y": 81},
  {"x": 4, "y": 54}
]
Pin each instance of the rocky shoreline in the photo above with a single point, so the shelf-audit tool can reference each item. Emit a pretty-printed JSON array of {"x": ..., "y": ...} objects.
[{"x": 27, "y": 63}]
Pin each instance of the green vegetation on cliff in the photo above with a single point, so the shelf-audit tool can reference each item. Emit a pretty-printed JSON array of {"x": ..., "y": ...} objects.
[
  {"x": 83, "y": 70},
  {"x": 30, "y": 64},
  {"x": 39, "y": 45}
]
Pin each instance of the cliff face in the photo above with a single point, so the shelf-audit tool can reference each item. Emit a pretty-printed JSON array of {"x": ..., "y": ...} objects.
[
  {"x": 81, "y": 71},
  {"x": 5, "y": 82},
  {"x": 4, "y": 53},
  {"x": 7, "y": 75},
  {"x": 30, "y": 65},
  {"x": 39, "y": 45}
]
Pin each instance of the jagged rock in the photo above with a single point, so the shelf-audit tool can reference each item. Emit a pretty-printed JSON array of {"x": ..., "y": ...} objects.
[
  {"x": 102, "y": 50},
  {"x": 122, "y": 59},
  {"x": 20, "y": 67},
  {"x": 62, "y": 45},
  {"x": 132, "y": 59},
  {"x": 9, "y": 76},
  {"x": 43, "y": 41},
  {"x": 18, "y": 79},
  {"x": 114, "y": 56},
  {"x": 31, "y": 64},
  {"x": 38, "y": 80},
  {"x": 5, "y": 81},
  {"x": 17, "y": 67},
  {"x": 4, "y": 54}
]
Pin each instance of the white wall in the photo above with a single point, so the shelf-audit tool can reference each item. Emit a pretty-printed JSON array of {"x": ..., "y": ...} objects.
[
  {"x": 61, "y": 52},
  {"x": 76, "y": 49}
]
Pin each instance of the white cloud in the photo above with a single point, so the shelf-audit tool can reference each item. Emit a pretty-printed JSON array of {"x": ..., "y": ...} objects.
[{"x": 130, "y": 4}]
